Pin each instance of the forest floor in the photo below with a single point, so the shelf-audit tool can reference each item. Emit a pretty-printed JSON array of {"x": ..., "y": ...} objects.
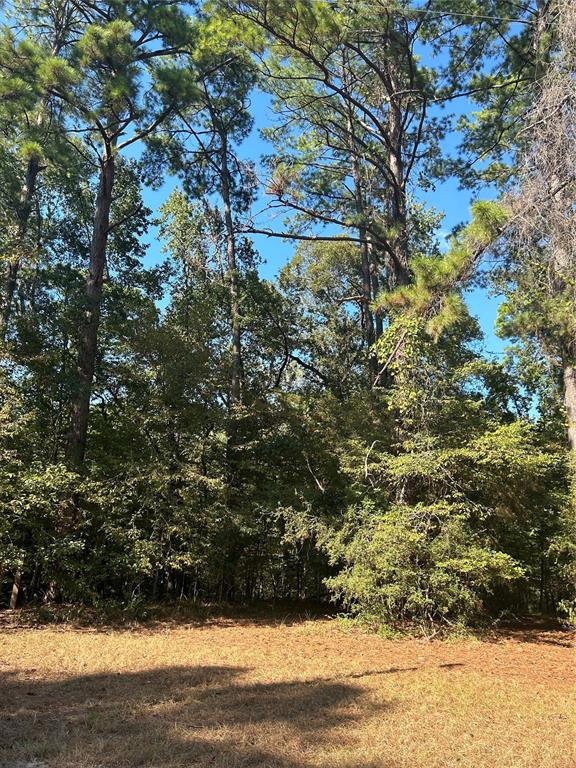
[{"x": 231, "y": 693}]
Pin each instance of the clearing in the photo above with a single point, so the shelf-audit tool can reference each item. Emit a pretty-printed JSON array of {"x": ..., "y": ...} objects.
[{"x": 283, "y": 694}]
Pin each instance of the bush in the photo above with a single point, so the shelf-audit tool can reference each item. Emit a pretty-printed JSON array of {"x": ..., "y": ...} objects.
[{"x": 420, "y": 564}]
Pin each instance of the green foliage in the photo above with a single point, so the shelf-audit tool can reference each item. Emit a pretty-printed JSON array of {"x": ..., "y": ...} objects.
[
  {"x": 375, "y": 455},
  {"x": 451, "y": 518},
  {"x": 419, "y": 564},
  {"x": 434, "y": 295}
]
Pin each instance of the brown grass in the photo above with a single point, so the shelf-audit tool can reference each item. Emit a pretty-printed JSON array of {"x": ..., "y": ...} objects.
[{"x": 233, "y": 693}]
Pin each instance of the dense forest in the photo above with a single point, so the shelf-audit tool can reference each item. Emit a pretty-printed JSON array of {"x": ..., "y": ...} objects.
[{"x": 175, "y": 424}]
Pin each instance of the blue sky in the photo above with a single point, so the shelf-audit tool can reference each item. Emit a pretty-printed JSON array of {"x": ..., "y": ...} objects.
[
  {"x": 275, "y": 252},
  {"x": 447, "y": 198}
]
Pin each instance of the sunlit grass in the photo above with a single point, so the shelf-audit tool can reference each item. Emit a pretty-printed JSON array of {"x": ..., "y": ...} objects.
[{"x": 241, "y": 693}]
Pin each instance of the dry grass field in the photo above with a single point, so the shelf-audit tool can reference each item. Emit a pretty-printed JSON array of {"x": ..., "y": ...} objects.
[{"x": 284, "y": 694}]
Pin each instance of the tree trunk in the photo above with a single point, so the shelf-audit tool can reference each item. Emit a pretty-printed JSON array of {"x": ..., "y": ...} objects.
[
  {"x": 570, "y": 405},
  {"x": 233, "y": 482},
  {"x": 370, "y": 336},
  {"x": 13, "y": 267},
  {"x": 235, "y": 320},
  {"x": 88, "y": 339},
  {"x": 15, "y": 590},
  {"x": 375, "y": 277},
  {"x": 367, "y": 315},
  {"x": 398, "y": 208},
  {"x": 23, "y": 213}
]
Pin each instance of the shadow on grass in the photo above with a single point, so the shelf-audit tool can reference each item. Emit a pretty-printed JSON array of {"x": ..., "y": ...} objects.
[
  {"x": 539, "y": 630},
  {"x": 179, "y": 716},
  {"x": 174, "y": 613},
  {"x": 566, "y": 639}
]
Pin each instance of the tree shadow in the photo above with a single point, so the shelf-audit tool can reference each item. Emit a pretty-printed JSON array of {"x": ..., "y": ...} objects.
[
  {"x": 539, "y": 630},
  {"x": 175, "y": 613},
  {"x": 559, "y": 639},
  {"x": 178, "y": 716}
]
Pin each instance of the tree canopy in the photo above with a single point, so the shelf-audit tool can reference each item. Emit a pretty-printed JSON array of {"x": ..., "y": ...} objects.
[{"x": 175, "y": 422}]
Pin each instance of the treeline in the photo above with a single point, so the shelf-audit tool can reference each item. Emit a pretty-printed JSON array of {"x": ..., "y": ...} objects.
[{"x": 187, "y": 428}]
